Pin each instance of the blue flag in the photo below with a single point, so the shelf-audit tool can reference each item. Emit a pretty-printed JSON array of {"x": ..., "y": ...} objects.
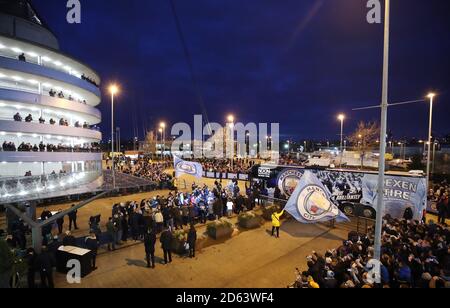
[
  {"x": 311, "y": 202},
  {"x": 187, "y": 167}
]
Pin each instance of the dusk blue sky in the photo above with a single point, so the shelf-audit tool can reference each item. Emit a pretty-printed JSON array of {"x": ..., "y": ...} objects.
[{"x": 295, "y": 62}]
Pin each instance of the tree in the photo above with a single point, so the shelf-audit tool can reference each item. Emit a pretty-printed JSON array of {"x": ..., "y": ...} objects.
[{"x": 365, "y": 138}]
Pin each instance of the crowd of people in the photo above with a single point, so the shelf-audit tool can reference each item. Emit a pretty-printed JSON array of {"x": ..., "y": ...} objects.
[
  {"x": 44, "y": 262},
  {"x": 439, "y": 196},
  {"x": 41, "y": 147},
  {"x": 142, "y": 221},
  {"x": 291, "y": 160},
  {"x": 60, "y": 94},
  {"x": 238, "y": 165},
  {"x": 88, "y": 79},
  {"x": 414, "y": 255},
  {"x": 62, "y": 122},
  {"x": 145, "y": 168}
]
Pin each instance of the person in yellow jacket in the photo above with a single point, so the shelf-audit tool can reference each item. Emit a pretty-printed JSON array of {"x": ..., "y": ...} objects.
[{"x": 276, "y": 222}]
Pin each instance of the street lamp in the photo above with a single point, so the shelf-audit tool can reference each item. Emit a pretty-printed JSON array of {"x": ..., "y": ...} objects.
[
  {"x": 431, "y": 97},
  {"x": 230, "y": 119},
  {"x": 424, "y": 147},
  {"x": 162, "y": 129},
  {"x": 113, "y": 89},
  {"x": 341, "y": 118}
]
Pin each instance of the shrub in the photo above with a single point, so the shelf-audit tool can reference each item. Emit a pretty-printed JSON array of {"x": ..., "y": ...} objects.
[
  {"x": 180, "y": 235},
  {"x": 219, "y": 227},
  {"x": 249, "y": 220},
  {"x": 246, "y": 216}
]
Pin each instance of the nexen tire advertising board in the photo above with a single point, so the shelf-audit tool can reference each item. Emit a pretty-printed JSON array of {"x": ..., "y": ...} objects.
[{"x": 350, "y": 190}]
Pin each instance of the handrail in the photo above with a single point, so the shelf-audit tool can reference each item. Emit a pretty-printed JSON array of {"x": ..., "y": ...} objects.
[
  {"x": 97, "y": 129},
  {"x": 56, "y": 68}
]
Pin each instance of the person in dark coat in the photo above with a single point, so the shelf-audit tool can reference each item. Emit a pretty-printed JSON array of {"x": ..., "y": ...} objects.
[
  {"x": 60, "y": 223},
  {"x": 166, "y": 243},
  {"x": 45, "y": 263},
  {"x": 111, "y": 231},
  {"x": 185, "y": 214},
  {"x": 239, "y": 204},
  {"x": 31, "y": 262},
  {"x": 177, "y": 219},
  {"x": 69, "y": 239},
  {"x": 46, "y": 214},
  {"x": 149, "y": 243},
  {"x": 191, "y": 240},
  {"x": 73, "y": 219},
  {"x": 124, "y": 222},
  {"x": 92, "y": 245},
  {"x": 134, "y": 222},
  {"x": 218, "y": 208}
]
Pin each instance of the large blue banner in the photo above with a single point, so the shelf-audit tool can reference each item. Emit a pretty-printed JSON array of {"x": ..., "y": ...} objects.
[
  {"x": 311, "y": 202},
  {"x": 349, "y": 188},
  {"x": 400, "y": 193}
]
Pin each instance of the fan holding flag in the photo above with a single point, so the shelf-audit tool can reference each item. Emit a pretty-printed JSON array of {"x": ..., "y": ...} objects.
[{"x": 311, "y": 202}]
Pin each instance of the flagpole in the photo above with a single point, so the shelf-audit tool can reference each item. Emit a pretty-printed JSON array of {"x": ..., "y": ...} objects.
[{"x": 383, "y": 131}]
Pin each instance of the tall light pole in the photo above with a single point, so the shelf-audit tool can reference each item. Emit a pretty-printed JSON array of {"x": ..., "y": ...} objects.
[
  {"x": 162, "y": 127},
  {"x": 434, "y": 156},
  {"x": 113, "y": 89},
  {"x": 118, "y": 147},
  {"x": 247, "y": 144},
  {"x": 383, "y": 131},
  {"x": 160, "y": 147},
  {"x": 230, "y": 120},
  {"x": 430, "y": 132},
  {"x": 424, "y": 147},
  {"x": 341, "y": 118},
  {"x": 401, "y": 150}
]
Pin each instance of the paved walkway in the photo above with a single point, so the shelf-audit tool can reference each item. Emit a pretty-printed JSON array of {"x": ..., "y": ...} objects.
[{"x": 251, "y": 259}]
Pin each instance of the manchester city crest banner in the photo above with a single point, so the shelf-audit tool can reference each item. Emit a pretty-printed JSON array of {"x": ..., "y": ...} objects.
[
  {"x": 187, "y": 167},
  {"x": 311, "y": 202}
]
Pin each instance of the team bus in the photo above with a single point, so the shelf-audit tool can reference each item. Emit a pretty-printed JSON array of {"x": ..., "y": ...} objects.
[{"x": 355, "y": 192}]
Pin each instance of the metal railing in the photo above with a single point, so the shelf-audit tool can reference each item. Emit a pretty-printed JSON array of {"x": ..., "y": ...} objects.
[{"x": 13, "y": 188}]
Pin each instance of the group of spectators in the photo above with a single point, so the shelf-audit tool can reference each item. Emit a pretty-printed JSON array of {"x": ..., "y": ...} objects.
[
  {"x": 60, "y": 94},
  {"x": 145, "y": 168},
  {"x": 41, "y": 147},
  {"x": 439, "y": 196},
  {"x": 88, "y": 79},
  {"x": 290, "y": 160},
  {"x": 41, "y": 263},
  {"x": 238, "y": 165},
  {"x": 62, "y": 122},
  {"x": 9, "y": 147},
  {"x": 413, "y": 255}
]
